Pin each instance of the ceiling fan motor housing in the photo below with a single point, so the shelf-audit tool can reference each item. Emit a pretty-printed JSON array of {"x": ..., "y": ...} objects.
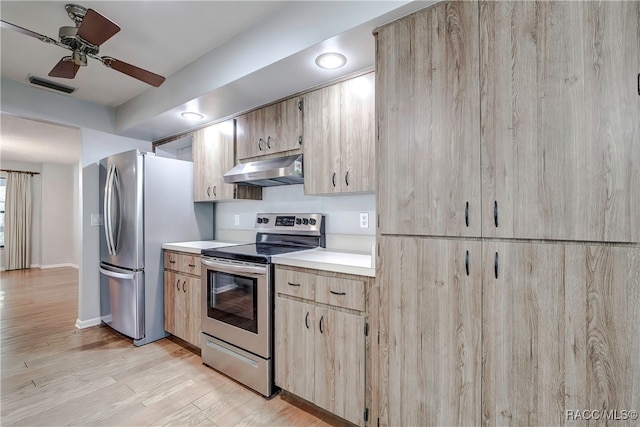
[{"x": 68, "y": 36}]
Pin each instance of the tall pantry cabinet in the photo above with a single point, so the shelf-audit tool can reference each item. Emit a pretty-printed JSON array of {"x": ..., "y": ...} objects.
[{"x": 509, "y": 168}]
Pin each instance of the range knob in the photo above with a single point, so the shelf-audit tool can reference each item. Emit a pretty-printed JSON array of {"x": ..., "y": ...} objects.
[
  {"x": 265, "y": 220},
  {"x": 312, "y": 221},
  {"x": 305, "y": 221},
  {"x": 259, "y": 220},
  {"x": 298, "y": 221}
]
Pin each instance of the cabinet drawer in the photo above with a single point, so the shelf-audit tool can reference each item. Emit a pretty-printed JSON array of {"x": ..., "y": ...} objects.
[
  {"x": 295, "y": 283},
  {"x": 185, "y": 263},
  {"x": 347, "y": 293}
]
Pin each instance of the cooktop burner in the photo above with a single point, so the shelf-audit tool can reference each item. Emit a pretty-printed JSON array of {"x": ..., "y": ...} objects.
[{"x": 277, "y": 234}]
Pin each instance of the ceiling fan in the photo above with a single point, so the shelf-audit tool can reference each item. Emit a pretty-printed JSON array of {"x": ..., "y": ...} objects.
[{"x": 84, "y": 40}]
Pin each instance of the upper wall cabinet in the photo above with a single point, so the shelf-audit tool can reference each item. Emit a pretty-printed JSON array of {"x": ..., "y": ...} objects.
[
  {"x": 213, "y": 155},
  {"x": 269, "y": 130},
  {"x": 560, "y": 120},
  {"x": 339, "y": 129},
  {"x": 428, "y": 118}
]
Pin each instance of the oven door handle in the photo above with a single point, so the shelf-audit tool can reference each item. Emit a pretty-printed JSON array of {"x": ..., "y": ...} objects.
[{"x": 231, "y": 268}]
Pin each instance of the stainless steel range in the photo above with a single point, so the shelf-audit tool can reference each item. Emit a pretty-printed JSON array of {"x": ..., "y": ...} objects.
[{"x": 237, "y": 314}]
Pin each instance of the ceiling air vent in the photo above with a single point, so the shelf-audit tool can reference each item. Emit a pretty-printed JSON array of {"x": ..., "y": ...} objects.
[{"x": 51, "y": 85}]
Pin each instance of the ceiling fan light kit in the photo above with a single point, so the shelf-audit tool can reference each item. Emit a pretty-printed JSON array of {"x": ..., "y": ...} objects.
[{"x": 84, "y": 40}]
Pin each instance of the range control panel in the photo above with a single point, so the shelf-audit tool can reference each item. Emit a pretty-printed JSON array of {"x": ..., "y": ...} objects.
[{"x": 287, "y": 223}]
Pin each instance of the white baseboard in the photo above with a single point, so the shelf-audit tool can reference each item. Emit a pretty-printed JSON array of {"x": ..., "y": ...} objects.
[
  {"x": 82, "y": 324},
  {"x": 43, "y": 267}
]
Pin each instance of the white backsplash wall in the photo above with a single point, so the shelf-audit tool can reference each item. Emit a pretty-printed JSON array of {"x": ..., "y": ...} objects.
[{"x": 342, "y": 215}]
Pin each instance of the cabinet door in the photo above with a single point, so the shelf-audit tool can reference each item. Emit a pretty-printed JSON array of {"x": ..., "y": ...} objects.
[
  {"x": 171, "y": 301},
  {"x": 357, "y": 134},
  {"x": 561, "y": 331},
  {"x": 221, "y": 137},
  {"x": 202, "y": 167},
  {"x": 193, "y": 308},
  {"x": 560, "y": 125},
  {"x": 282, "y": 124},
  {"x": 249, "y": 130},
  {"x": 428, "y": 115},
  {"x": 340, "y": 364},
  {"x": 430, "y": 325},
  {"x": 321, "y": 141},
  {"x": 294, "y": 340}
]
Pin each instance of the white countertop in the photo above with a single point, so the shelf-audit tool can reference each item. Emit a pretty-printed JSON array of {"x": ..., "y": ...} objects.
[
  {"x": 197, "y": 246},
  {"x": 358, "y": 263}
]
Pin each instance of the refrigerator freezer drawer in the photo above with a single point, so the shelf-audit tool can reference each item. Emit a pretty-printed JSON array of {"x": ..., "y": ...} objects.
[{"x": 125, "y": 309}]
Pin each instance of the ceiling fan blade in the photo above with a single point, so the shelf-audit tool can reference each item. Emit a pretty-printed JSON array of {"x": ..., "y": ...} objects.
[
  {"x": 96, "y": 29},
  {"x": 133, "y": 71},
  {"x": 65, "y": 68},
  {"x": 18, "y": 29}
]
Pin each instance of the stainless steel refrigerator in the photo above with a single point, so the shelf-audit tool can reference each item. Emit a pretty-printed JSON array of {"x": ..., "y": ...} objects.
[{"x": 146, "y": 201}]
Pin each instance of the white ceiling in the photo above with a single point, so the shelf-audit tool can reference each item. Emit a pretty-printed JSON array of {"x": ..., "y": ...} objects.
[{"x": 219, "y": 57}]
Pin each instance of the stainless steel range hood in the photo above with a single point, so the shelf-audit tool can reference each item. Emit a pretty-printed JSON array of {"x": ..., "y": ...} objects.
[{"x": 267, "y": 173}]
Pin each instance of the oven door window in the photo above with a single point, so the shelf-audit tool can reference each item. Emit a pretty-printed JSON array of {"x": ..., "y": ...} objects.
[{"x": 232, "y": 299}]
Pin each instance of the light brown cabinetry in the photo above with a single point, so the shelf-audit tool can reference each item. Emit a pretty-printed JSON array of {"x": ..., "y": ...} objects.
[
  {"x": 339, "y": 141},
  {"x": 430, "y": 331},
  {"x": 428, "y": 118},
  {"x": 552, "y": 152},
  {"x": 213, "y": 156},
  {"x": 560, "y": 125},
  {"x": 561, "y": 331},
  {"x": 320, "y": 347},
  {"x": 182, "y": 305},
  {"x": 272, "y": 129}
]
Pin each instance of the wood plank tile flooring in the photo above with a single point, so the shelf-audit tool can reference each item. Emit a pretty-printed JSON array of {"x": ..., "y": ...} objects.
[{"x": 54, "y": 374}]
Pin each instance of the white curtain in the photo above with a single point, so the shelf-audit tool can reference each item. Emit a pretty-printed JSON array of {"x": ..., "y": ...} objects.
[{"x": 17, "y": 241}]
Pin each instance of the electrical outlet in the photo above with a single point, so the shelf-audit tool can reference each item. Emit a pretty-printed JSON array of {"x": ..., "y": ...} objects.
[
  {"x": 236, "y": 220},
  {"x": 364, "y": 220}
]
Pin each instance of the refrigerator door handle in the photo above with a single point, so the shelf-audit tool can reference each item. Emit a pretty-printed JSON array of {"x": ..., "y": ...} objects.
[
  {"x": 115, "y": 236},
  {"x": 116, "y": 275},
  {"x": 107, "y": 211}
]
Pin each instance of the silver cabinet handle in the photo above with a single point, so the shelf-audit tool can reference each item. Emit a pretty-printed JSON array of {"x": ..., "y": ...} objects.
[
  {"x": 346, "y": 178},
  {"x": 259, "y": 144},
  {"x": 269, "y": 142},
  {"x": 337, "y": 293},
  {"x": 214, "y": 191},
  {"x": 178, "y": 284}
]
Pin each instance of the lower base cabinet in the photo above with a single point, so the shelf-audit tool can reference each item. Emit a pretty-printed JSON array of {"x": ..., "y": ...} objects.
[
  {"x": 319, "y": 349},
  {"x": 182, "y": 304},
  {"x": 561, "y": 333},
  {"x": 507, "y": 333}
]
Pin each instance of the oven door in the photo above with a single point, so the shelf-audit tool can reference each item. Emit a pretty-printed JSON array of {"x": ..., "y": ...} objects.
[{"x": 237, "y": 304}]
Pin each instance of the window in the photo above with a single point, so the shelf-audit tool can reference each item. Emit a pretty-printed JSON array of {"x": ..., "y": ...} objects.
[{"x": 3, "y": 192}]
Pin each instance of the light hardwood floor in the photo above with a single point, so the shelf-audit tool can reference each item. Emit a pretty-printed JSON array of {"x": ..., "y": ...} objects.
[{"x": 55, "y": 374}]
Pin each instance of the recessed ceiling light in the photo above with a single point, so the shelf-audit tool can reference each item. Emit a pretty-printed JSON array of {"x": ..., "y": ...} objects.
[
  {"x": 190, "y": 115},
  {"x": 331, "y": 60}
]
